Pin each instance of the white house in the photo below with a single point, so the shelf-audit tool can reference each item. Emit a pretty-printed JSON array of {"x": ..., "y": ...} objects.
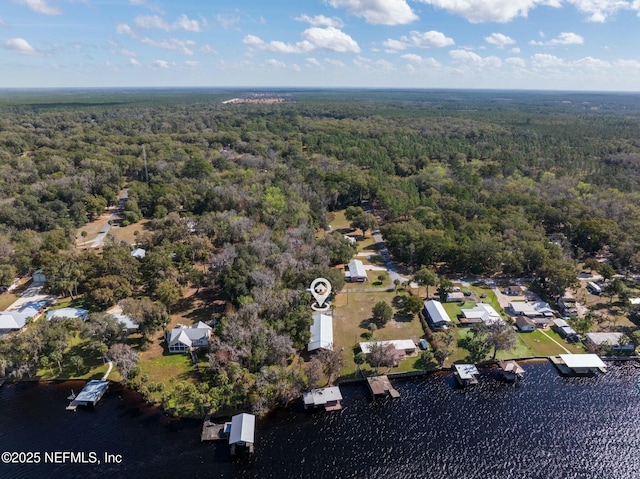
[
  {"x": 15, "y": 320},
  {"x": 525, "y": 324},
  {"x": 436, "y": 315},
  {"x": 184, "y": 338},
  {"x": 617, "y": 342},
  {"x": 406, "y": 345},
  {"x": 356, "y": 272},
  {"x": 531, "y": 308},
  {"x": 321, "y": 333},
  {"x": 71, "y": 313},
  {"x": 481, "y": 312}
]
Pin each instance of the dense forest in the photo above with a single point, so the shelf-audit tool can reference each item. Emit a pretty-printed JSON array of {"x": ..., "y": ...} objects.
[{"x": 516, "y": 184}]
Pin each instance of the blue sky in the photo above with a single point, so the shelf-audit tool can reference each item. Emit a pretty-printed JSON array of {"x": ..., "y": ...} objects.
[{"x": 512, "y": 44}]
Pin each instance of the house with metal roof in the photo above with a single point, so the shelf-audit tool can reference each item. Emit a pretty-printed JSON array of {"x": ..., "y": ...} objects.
[
  {"x": 185, "y": 338},
  {"x": 481, "y": 312},
  {"x": 15, "y": 320},
  {"x": 531, "y": 308},
  {"x": 321, "y": 333},
  {"x": 436, "y": 315},
  {"x": 614, "y": 342},
  {"x": 71, "y": 313},
  {"x": 355, "y": 272}
]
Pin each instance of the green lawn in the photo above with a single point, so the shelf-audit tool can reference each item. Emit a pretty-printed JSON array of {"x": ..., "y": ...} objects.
[
  {"x": 94, "y": 366},
  {"x": 350, "y": 324},
  {"x": 162, "y": 368}
]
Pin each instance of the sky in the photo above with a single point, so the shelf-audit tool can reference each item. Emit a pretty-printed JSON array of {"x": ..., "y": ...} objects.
[{"x": 498, "y": 44}]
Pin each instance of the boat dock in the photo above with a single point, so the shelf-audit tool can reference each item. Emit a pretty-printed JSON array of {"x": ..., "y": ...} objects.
[
  {"x": 381, "y": 386},
  {"x": 511, "y": 370},
  {"x": 212, "y": 431},
  {"x": 578, "y": 364},
  {"x": 90, "y": 394},
  {"x": 466, "y": 374}
]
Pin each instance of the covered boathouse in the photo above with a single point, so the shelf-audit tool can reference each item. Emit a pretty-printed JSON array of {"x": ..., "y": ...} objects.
[
  {"x": 329, "y": 398},
  {"x": 578, "y": 364},
  {"x": 90, "y": 394}
]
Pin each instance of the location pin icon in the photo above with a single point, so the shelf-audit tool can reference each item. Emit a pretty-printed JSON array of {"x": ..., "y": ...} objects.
[{"x": 320, "y": 290}]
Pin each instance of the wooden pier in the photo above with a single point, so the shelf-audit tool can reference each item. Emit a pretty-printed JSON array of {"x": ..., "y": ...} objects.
[
  {"x": 212, "y": 431},
  {"x": 381, "y": 386}
]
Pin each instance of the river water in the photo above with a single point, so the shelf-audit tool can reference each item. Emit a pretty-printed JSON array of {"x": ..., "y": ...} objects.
[{"x": 544, "y": 427}]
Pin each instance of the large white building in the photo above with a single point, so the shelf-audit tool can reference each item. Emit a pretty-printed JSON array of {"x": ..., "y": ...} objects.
[{"x": 436, "y": 314}]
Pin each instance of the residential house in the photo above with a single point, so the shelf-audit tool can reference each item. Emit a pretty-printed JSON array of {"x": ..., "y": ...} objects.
[
  {"x": 15, "y": 320},
  {"x": 481, "y": 312},
  {"x": 321, "y": 333},
  {"x": 71, "y": 313},
  {"x": 455, "y": 297},
  {"x": 436, "y": 315},
  {"x": 565, "y": 330},
  {"x": 614, "y": 342},
  {"x": 512, "y": 290},
  {"x": 139, "y": 253},
  {"x": 531, "y": 308},
  {"x": 525, "y": 324},
  {"x": 355, "y": 272},
  {"x": 185, "y": 338}
]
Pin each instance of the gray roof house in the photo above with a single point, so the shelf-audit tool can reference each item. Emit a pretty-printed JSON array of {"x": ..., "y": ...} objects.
[
  {"x": 184, "y": 338},
  {"x": 243, "y": 430},
  {"x": 616, "y": 342},
  {"x": 15, "y": 320}
]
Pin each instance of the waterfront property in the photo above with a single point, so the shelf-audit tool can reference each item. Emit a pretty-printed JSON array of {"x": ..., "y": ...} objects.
[
  {"x": 401, "y": 348},
  {"x": 380, "y": 386},
  {"x": 355, "y": 272},
  {"x": 466, "y": 374},
  {"x": 578, "y": 364},
  {"x": 321, "y": 333},
  {"x": 184, "y": 338},
  {"x": 90, "y": 394},
  {"x": 328, "y": 397},
  {"x": 510, "y": 370},
  {"x": 242, "y": 432},
  {"x": 613, "y": 342},
  {"x": 213, "y": 431},
  {"x": 15, "y": 320},
  {"x": 436, "y": 315}
]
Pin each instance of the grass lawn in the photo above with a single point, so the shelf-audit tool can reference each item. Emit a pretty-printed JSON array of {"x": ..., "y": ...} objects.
[
  {"x": 6, "y": 300},
  {"x": 94, "y": 366},
  {"x": 163, "y": 368},
  {"x": 128, "y": 233},
  {"x": 79, "y": 302},
  {"x": 351, "y": 317}
]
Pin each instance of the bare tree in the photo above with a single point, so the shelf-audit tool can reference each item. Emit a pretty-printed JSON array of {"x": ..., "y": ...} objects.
[
  {"x": 125, "y": 358},
  {"x": 381, "y": 354},
  {"x": 331, "y": 363}
]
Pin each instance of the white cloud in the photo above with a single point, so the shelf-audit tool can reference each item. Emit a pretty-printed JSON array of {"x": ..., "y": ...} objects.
[
  {"x": 191, "y": 64},
  {"x": 151, "y": 21},
  {"x": 208, "y": 49},
  {"x": 177, "y": 44},
  {"x": 161, "y": 64},
  {"x": 473, "y": 59},
  {"x": 591, "y": 63},
  {"x": 295, "y": 67},
  {"x": 312, "y": 62},
  {"x": 314, "y": 38},
  {"x": 124, "y": 29},
  {"x": 502, "y": 11},
  {"x": 20, "y": 45},
  {"x": 185, "y": 23},
  {"x": 421, "y": 61},
  {"x": 515, "y": 50},
  {"x": 515, "y": 62},
  {"x": 499, "y": 40},
  {"x": 154, "y": 21},
  {"x": 601, "y": 10},
  {"x": 227, "y": 21},
  {"x": 378, "y": 12},
  {"x": 128, "y": 53},
  {"x": 544, "y": 60},
  {"x": 417, "y": 39},
  {"x": 272, "y": 62},
  {"x": 565, "y": 38},
  {"x": 134, "y": 62},
  {"x": 40, "y": 6},
  {"x": 321, "y": 21},
  {"x": 331, "y": 38},
  {"x": 334, "y": 62}
]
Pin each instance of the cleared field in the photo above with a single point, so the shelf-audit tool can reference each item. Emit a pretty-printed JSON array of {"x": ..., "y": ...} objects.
[{"x": 352, "y": 315}]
